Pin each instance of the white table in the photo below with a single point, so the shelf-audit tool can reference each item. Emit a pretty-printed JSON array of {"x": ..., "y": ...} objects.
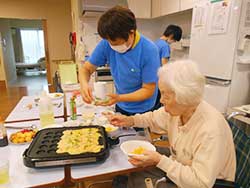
[
  {"x": 117, "y": 162},
  {"x": 83, "y": 107},
  {"x": 22, "y": 113},
  {"x": 20, "y": 175}
]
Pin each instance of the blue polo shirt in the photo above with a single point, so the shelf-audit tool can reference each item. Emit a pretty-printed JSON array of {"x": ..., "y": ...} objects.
[
  {"x": 164, "y": 48},
  {"x": 130, "y": 70}
]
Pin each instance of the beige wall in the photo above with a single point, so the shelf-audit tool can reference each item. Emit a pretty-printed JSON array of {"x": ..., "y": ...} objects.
[
  {"x": 7, "y": 50},
  {"x": 58, "y": 16}
]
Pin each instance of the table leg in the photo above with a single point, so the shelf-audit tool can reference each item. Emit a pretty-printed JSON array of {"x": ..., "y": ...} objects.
[{"x": 67, "y": 177}]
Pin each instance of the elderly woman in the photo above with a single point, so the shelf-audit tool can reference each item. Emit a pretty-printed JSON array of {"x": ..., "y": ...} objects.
[{"x": 201, "y": 142}]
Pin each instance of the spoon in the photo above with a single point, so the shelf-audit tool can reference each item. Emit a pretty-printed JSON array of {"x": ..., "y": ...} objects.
[{"x": 33, "y": 126}]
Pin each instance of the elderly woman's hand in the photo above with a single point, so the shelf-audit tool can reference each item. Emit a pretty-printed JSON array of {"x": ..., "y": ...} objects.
[
  {"x": 121, "y": 120},
  {"x": 149, "y": 158}
]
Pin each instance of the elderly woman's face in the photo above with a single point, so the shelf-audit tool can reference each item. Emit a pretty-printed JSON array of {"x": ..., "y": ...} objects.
[{"x": 168, "y": 100}]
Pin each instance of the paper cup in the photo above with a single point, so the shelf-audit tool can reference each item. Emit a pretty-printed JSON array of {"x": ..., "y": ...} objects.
[
  {"x": 100, "y": 90},
  {"x": 4, "y": 171}
]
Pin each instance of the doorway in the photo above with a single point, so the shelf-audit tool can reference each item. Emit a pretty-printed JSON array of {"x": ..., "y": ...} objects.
[{"x": 24, "y": 43}]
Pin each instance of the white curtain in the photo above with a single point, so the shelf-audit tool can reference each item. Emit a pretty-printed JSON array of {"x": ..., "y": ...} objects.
[{"x": 33, "y": 45}]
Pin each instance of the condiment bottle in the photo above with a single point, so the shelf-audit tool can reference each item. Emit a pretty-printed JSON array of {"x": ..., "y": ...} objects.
[
  {"x": 46, "y": 111},
  {"x": 3, "y": 134}
]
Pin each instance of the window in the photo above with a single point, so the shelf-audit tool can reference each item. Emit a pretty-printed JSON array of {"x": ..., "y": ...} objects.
[{"x": 33, "y": 45}]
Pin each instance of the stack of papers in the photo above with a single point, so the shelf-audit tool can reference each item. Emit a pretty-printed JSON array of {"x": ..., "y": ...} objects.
[{"x": 244, "y": 108}]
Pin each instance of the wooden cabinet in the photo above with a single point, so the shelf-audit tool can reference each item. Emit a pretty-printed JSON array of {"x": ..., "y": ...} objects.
[
  {"x": 186, "y": 4},
  {"x": 156, "y": 8},
  {"x": 141, "y": 8},
  {"x": 169, "y": 6},
  {"x": 164, "y": 7}
]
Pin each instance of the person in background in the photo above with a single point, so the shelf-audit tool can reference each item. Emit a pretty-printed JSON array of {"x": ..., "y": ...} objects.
[
  {"x": 200, "y": 139},
  {"x": 133, "y": 61},
  {"x": 172, "y": 34}
]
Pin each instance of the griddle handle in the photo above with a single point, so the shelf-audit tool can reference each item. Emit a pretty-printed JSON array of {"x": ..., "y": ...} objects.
[
  {"x": 113, "y": 141},
  {"x": 116, "y": 140},
  {"x": 25, "y": 152},
  {"x": 26, "y": 161}
]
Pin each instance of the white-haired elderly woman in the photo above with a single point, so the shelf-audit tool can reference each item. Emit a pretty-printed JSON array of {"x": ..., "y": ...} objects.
[{"x": 201, "y": 142}]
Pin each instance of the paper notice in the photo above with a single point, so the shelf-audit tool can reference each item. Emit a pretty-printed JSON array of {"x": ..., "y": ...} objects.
[{"x": 219, "y": 16}]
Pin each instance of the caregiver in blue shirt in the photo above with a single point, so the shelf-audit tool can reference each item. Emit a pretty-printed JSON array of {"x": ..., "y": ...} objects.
[
  {"x": 133, "y": 60},
  {"x": 171, "y": 34}
]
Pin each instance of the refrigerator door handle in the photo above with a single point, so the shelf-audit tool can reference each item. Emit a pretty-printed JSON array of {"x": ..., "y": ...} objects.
[{"x": 223, "y": 83}]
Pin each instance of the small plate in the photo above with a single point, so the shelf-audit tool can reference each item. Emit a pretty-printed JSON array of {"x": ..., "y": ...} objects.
[
  {"x": 52, "y": 126},
  {"x": 108, "y": 112},
  {"x": 55, "y": 96},
  {"x": 21, "y": 137},
  {"x": 100, "y": 120},
  {"x": 23, "y": 143}
]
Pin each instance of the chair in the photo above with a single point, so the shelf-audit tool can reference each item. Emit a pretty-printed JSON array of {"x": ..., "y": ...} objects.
[
  {"x": 67, "y": 72},
  {"x": 242, "y": 146},
  {"x": 65, "y": 78}
]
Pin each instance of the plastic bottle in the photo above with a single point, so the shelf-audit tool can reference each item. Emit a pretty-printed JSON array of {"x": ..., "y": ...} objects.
[
  {"x": 3, "y": 134},
  {"x": 46, "y": 110}
]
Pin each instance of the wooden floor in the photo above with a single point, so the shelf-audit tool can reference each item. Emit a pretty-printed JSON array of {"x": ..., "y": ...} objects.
[
  {"x": 9, "y": 97},
  {"x": 24, "y": 85}
]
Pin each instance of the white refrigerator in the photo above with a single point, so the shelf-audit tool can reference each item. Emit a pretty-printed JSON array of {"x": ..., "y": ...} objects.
[{"x": 220, "y": 44}]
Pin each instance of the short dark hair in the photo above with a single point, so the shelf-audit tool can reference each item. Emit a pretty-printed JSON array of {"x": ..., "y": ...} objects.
[
  {"x": 116, "y": 22},
  {"x": 174, "y": 30}
]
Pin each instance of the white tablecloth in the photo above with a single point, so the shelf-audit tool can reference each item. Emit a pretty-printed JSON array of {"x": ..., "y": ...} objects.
[
  {"x": 20, "y": 175},
  {"x": 117, "y": 161},
  {"x": 83, "y": 107},
  {"x": 22, "y": 112}
]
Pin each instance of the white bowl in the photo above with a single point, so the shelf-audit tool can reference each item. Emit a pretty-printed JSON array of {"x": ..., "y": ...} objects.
[
  {"x": 88, "y": 116},
  {"x": 110, "y": 128},
  {"x": 100, "y": 120},
  {"x": 129, "y": 146},
  {"x": 55, "y": 96}
]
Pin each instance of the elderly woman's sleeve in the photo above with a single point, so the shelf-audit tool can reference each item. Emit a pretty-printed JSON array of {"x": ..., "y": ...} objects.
[
  {"x": 157, "y": 120},
  {"x": 202, "y": 170}
]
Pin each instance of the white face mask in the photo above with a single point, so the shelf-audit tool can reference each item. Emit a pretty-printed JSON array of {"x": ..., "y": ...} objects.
[{"x": 121, "y": 48}]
